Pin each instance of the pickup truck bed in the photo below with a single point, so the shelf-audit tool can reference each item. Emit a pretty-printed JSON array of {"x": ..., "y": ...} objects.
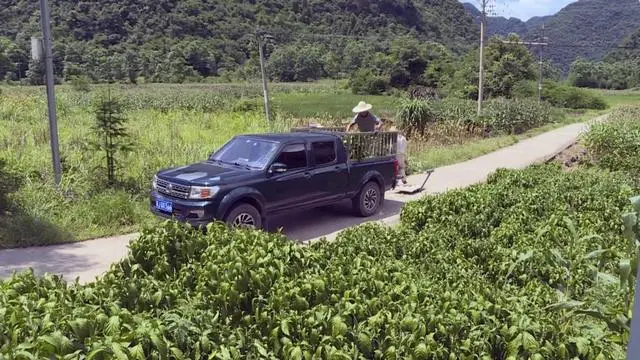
[{"x": 254, "y": 177}]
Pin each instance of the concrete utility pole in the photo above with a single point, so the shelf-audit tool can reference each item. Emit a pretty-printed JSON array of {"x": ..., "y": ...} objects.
[
  {"x": 51, "y": 96},
  {"x": 483, "y": 20},
  {"x": 267, "y": 108}
]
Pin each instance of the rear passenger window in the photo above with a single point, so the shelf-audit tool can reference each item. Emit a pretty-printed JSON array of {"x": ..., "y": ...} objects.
[
  {"x": 294, "y": 156},
  {"x": 324, "y": 152}
]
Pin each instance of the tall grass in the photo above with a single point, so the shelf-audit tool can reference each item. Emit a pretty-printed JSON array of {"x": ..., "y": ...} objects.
[{"x": 83, "y": 205}]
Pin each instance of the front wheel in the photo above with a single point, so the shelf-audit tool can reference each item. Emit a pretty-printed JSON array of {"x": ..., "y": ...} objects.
[
  {"x": 244, "y": 216},
  {"x": 368, "y": 200}
]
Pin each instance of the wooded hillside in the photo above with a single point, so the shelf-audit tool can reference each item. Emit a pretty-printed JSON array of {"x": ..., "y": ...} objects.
[
  {"x": 169, "y": 40},
  {"x": 586, "y": 28}
]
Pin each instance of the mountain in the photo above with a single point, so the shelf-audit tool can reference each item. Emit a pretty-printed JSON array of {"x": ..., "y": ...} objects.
[
  {"x": 586, "y": 28},
  {"x": 210, "y": 37}
]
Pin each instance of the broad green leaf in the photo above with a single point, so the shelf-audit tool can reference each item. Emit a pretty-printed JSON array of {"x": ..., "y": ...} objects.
[
  {"x": 160, "y": 345},
  {"x": 284, "y": 326}
]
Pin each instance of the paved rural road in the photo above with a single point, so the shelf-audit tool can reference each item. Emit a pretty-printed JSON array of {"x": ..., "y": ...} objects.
[{"x": 89, "y": 259}]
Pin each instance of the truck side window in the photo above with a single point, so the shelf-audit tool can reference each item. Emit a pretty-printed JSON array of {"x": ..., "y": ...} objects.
[
  {"x": 324, "y": 152},
  {"x": 294, "y": 156}
]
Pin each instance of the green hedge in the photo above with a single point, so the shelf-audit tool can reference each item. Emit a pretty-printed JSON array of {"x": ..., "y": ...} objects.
[{"x": 572, "y": 97}]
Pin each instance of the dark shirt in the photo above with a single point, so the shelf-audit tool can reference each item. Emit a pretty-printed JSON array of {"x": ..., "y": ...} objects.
[{"x": 366, "y": 123}]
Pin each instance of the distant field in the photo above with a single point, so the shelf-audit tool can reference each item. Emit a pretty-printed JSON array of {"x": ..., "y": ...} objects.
[
  {"x": 332, "y": 105},
  {"x": 622, "y": 97}
]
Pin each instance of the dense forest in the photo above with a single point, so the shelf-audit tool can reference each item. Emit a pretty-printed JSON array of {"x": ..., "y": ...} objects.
[
  {"x": 620, "y": 69},
  {"x": 173, "y": 41},
  {"x": 586, "y": 29}
]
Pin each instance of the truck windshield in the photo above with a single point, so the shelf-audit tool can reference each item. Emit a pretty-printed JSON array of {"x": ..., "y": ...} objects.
[{"x": 250, "y": 153}]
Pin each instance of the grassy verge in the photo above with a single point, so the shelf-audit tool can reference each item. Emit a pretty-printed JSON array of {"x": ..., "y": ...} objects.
[{"x": 427, "y": 156}]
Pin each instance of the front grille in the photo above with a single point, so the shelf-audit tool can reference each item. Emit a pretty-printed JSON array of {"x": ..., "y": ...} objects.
[{"x": 173, "y": 189}]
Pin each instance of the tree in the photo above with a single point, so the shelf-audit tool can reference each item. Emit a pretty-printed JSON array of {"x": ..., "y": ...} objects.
[
  {"x": 111, "y": 132},
  {"x": 35, "y": 74},
  {"x": 507, "y": 64},
  {"x": 582, "y": 74}
]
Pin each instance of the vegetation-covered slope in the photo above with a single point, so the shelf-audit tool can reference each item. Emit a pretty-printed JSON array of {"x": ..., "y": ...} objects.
[
  {"x": 208, "y": 37},
  {"x": 586, "y": 28}
]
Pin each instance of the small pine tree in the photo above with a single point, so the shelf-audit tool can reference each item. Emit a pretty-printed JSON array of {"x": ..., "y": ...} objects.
[{"x": 111, "y": 133}]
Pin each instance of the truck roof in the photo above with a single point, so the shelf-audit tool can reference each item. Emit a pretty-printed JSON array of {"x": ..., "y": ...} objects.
[{"x": 292, "y": 137}]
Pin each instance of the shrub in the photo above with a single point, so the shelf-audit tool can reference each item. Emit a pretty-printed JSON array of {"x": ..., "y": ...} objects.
[
  {"x": 365, "y": 82},
  {"x": 525, "y": 89},
  {"x": 572, "y": 97},
  {"x": 246, "y": 105},
  {"x": 80, "y": 83},
  {"x": 415, "y": 116},
  {"x": 615, "y": 144}
]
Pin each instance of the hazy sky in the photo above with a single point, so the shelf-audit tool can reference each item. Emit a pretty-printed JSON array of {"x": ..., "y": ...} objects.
[{"x": 525, "y": 9}]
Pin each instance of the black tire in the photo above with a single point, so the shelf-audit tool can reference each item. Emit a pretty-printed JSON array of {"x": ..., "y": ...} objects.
[
  {"x": 244, "y": 214},
  {"x": 368, "y": 200}
]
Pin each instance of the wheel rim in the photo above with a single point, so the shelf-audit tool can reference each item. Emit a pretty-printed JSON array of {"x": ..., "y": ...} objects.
[
  {"x": 370, "y": 199},
  {"x": 244, "y": 220}
]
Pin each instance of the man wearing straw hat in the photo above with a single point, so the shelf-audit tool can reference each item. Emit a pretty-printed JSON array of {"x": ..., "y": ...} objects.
[{"x": 366, "y": 121}]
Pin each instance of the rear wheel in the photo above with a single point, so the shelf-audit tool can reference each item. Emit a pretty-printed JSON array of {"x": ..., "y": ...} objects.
[
  {"x": 244, "y": 216},
  {"x": 368, "y": 200}
]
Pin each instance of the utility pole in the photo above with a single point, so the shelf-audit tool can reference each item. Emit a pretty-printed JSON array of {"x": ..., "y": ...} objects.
[
  {"x": 265, "y": 90},
  {"x": 51, "y": 96},
  {"x": 483, "y": 20}
]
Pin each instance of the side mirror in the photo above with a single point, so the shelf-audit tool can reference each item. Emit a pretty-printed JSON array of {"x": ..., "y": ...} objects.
[{"x": 277, "y": 168}]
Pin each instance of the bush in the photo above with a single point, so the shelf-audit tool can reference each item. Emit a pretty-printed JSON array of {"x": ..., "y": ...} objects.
[
  {"x": 572, "y": 97},
  {"x": 80, "y": 83},
  {"x": 365, "y": 82},
  {"x": 246, "y": 105},
  {"x": 615, "y": 144},
  {"x": 525, "y": 89},
  {"x": 415, "y": 116}
]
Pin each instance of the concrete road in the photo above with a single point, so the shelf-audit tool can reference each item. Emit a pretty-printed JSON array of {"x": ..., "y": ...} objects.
[{"x": 89, "y": 259}]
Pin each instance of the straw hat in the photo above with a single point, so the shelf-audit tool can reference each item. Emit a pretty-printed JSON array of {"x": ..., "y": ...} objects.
[{"x": 362, "y": 107}]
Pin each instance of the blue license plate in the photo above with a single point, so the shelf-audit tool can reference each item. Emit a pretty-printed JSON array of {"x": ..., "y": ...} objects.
[{"x": 164, "y": 206}]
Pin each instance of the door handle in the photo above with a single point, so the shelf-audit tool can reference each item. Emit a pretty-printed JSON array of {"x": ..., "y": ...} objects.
[{"x": 307, "y": 175}]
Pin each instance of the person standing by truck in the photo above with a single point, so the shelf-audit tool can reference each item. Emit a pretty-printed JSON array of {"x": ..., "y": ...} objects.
[
  {"x": 401, "y": 155},
  {"x": 366, "y": 121}
]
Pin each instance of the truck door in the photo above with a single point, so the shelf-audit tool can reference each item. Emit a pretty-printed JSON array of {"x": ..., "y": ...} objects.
[
  {"x": 290, "y": 188},
  {"x": 328, "y": 176}
]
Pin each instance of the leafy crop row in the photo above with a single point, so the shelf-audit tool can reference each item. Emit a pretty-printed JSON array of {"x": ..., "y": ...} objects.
[
  {"x": 500, "y": 116},
  {"x": 512, "y": 269},
  {"x": 615, "y": 144}
]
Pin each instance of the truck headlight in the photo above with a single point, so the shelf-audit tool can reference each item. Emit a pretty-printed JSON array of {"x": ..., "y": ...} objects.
[
  {"x": 203, "y": 192},
  {"x": 154, "y": 183}
]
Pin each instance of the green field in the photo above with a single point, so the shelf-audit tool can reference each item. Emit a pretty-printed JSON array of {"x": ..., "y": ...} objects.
[{"x": 169, "y": 125}]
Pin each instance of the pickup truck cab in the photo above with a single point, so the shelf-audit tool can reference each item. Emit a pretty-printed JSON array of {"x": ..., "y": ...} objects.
[{"x": 253, "y": 177}]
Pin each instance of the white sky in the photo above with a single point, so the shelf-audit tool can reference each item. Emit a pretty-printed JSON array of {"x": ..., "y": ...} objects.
[{"x": 525, "y": 9}]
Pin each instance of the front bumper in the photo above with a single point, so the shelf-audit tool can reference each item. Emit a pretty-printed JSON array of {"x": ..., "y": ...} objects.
[{"x": 195, "y": 212}]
